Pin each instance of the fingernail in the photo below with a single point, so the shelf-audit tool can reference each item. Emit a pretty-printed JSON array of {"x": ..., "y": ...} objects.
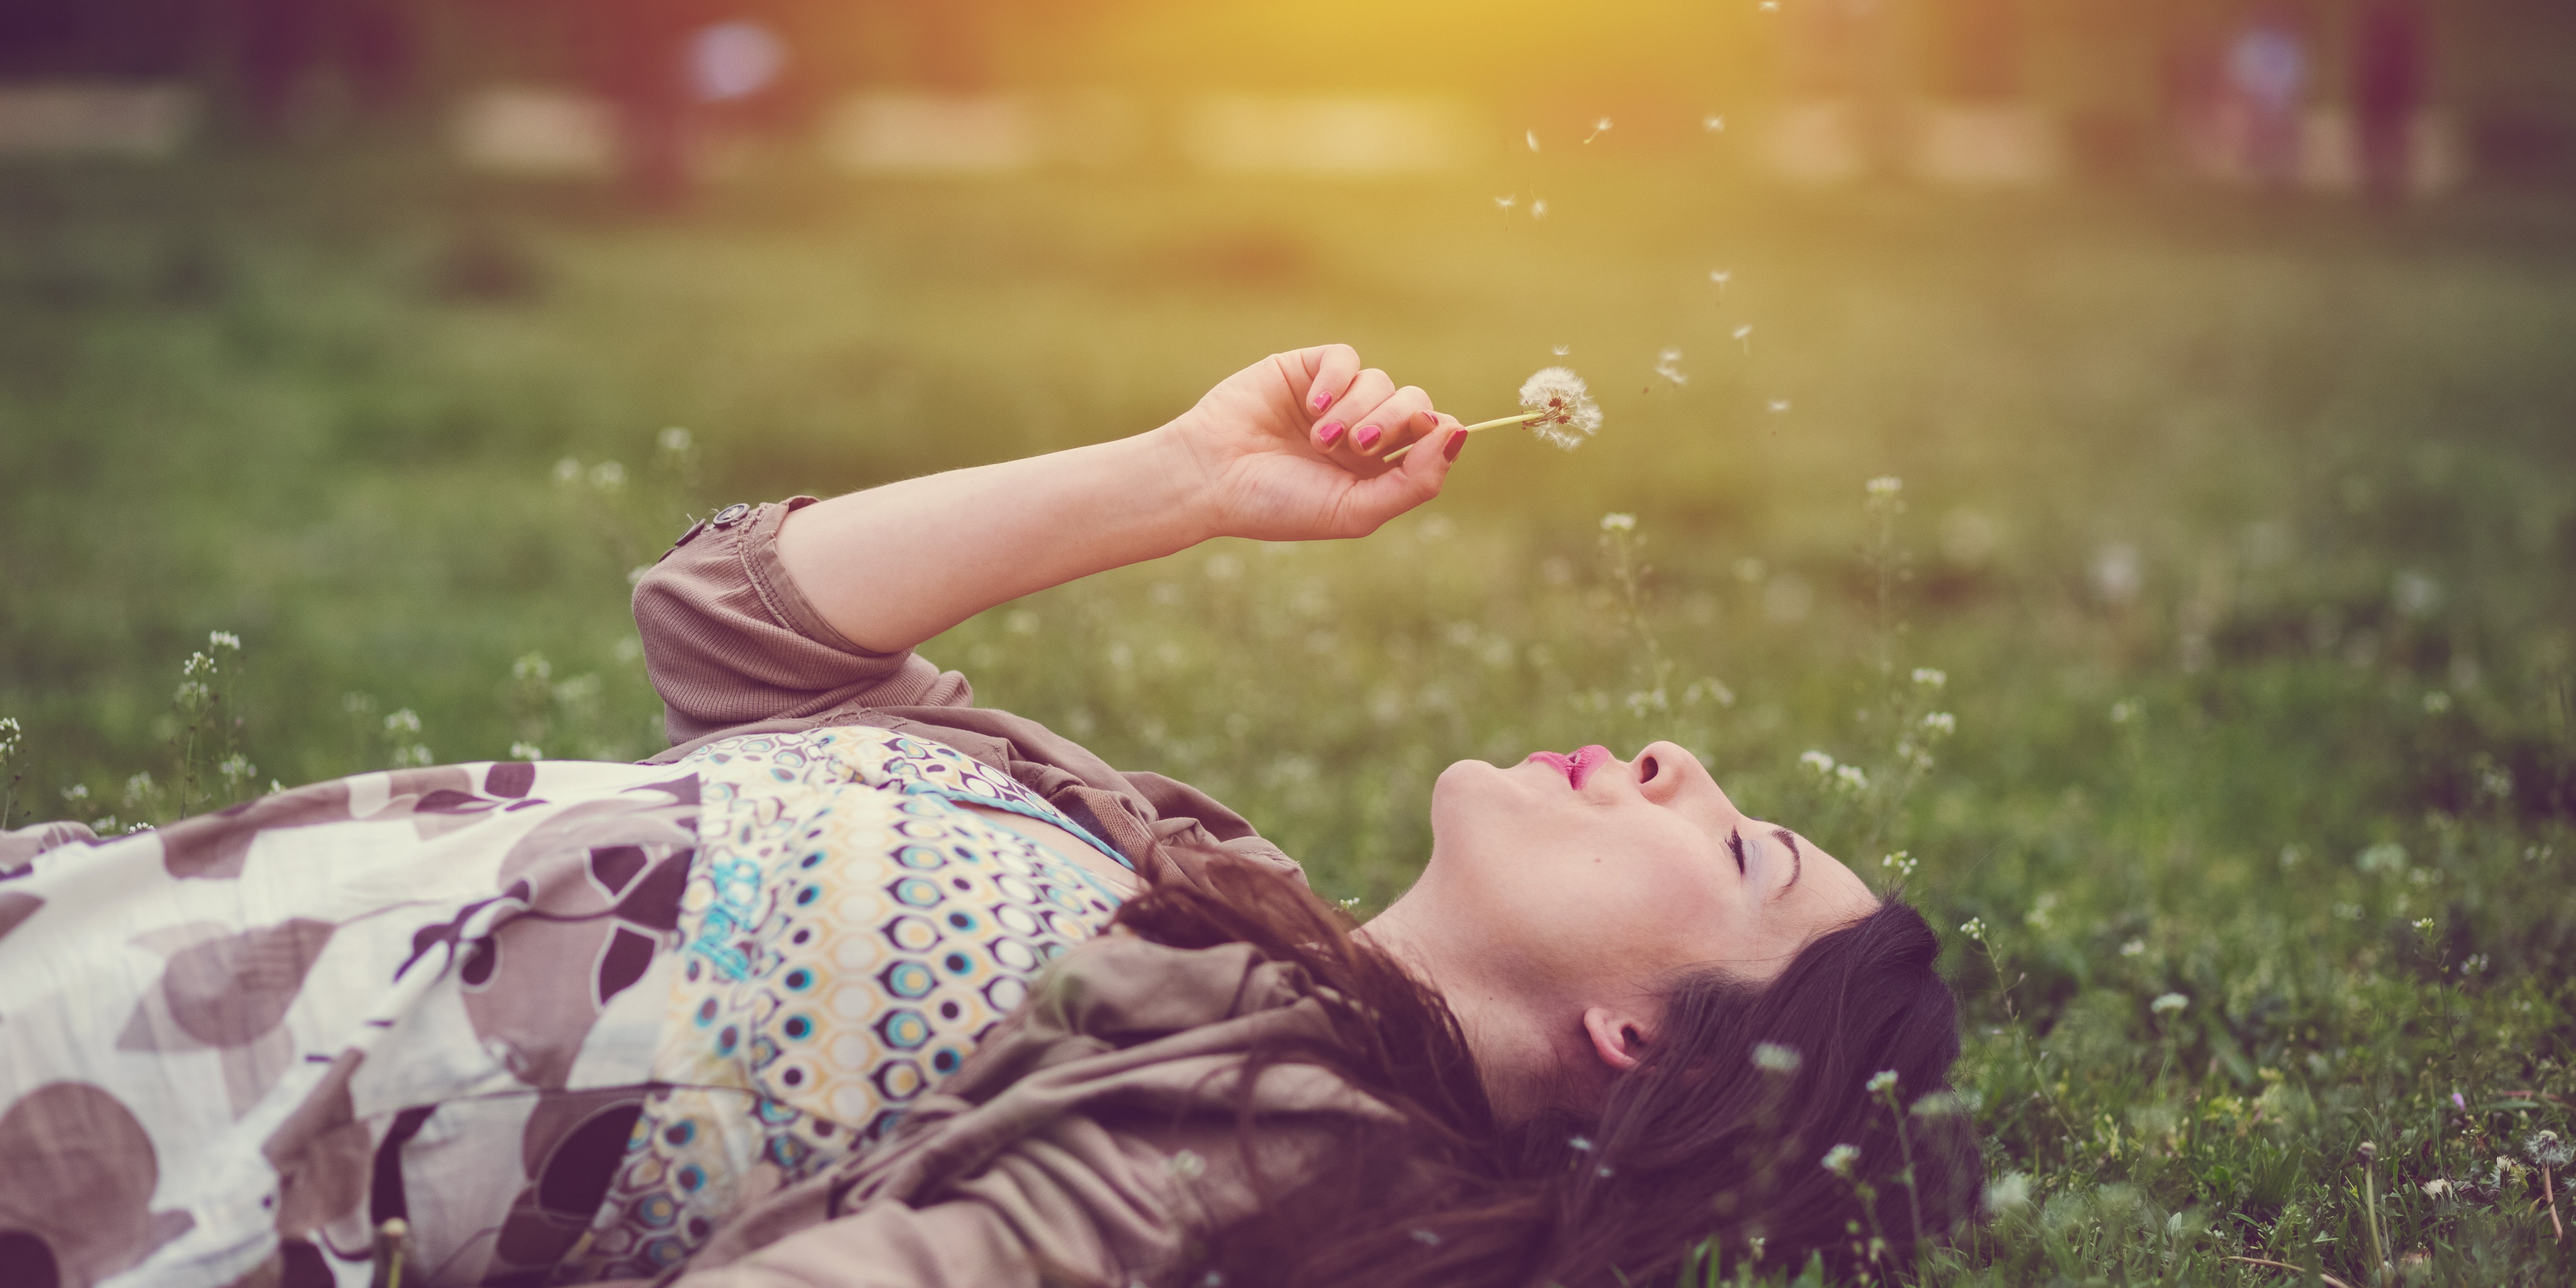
[
  {"x": 1457, "y": 443},
  {"x": 1365, "y": 437},
  {"x": 1323, "y": 401},
  {"x": 1330, "y": 434}
]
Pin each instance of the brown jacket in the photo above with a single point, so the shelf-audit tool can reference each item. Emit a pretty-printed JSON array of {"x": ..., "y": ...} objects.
[
  {"x": 734, "y": 647},
  {"x": 1083, "y": 1143},
  {"x": 1089, "y": 1136}
]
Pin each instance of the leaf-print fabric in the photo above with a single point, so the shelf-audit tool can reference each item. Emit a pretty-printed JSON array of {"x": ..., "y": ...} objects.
[{"x": 228, "y": 1048}]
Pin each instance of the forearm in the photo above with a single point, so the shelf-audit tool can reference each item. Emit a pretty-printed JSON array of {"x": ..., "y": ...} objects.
[{"x": 895, "y": 565}]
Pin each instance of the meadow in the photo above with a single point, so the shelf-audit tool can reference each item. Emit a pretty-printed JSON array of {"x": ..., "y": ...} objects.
[{"x": 2170, "y": 590}]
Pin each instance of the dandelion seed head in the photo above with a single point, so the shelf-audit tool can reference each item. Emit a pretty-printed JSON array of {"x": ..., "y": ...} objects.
[
  {"x": 2008, "y": 1192},
  {"x": 1566, "y": 414},
  {"x": 1771, "y": 1057},
  {"x": 2168, "y": 1003},
  {"x": 1841, "y": 1159},
  {"x": 2547, "y": 1150}
]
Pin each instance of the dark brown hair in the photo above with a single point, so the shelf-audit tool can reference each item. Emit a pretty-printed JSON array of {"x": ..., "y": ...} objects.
[{"x": 1701, "y": 1148}]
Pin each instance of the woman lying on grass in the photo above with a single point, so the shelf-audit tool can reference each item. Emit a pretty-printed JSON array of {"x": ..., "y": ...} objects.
[{"x": 860, "y": 984}]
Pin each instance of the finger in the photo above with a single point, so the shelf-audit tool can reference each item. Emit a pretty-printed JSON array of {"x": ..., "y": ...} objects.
[
  {"x": 1329, "y": 369},
  {"x": 1337, "y": 430},
  {"x": 1404, "y": 417}
]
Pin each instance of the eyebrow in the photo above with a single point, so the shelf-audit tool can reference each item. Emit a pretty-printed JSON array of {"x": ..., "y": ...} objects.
[
  {"x": 1797, "y": 860},
  {"x": 1735, "y": 844}
]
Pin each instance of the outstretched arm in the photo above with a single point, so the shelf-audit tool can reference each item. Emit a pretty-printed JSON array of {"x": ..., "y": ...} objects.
[{"x": 1287, "y": 449}]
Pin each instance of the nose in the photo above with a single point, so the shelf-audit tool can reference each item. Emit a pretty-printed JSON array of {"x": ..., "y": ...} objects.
[{"x": 1666, "y": 771}]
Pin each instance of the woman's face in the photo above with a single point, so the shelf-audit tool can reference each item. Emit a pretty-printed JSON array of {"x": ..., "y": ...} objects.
[{"x": 1592, "y": 873}]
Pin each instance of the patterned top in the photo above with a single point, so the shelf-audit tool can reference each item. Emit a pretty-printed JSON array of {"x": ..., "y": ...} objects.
[{"x": 850, "y": 932}]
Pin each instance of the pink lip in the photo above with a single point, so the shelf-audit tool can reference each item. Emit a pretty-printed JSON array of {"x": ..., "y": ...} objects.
[{"x": 1576, "y": 767}]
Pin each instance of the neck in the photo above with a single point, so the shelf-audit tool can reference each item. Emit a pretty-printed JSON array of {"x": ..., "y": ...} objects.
[{"x": 1512, "y": 1050}]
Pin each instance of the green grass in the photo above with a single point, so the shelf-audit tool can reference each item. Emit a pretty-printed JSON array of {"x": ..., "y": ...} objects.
[{"x": 2313, "y": 775}]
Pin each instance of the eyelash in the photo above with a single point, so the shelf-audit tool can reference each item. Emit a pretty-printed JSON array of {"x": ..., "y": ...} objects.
[{"x": 1735, "y": 842}]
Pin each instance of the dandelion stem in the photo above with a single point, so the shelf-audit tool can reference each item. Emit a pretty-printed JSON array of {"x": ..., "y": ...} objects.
[{"x": 1398, "y": 454}]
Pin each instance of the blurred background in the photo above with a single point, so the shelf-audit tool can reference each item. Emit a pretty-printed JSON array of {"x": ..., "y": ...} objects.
[{"x": 2208, "y": 633}]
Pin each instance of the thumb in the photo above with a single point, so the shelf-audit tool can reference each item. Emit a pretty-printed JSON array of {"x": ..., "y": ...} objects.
[{"x": 1415, "y": 479}]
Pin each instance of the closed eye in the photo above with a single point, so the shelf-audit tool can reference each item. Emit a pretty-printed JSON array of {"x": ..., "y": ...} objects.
[{"x": 1735, "y": 844}]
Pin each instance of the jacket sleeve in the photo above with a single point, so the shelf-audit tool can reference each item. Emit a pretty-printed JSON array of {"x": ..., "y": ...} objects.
[{"x": 729, "y": 639}]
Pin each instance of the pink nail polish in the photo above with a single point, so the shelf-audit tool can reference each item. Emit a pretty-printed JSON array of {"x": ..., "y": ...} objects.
[
  {"x": 1323, "y": 401},
  {"x": 1365, "y": 437},
  {"x": 1457, "y": 441},
  {"x": 1330, "y": 434}
]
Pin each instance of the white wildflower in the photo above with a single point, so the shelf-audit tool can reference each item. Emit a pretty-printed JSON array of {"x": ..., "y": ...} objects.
[
  {"x": 1974, "y": 928},
  {"x": 403, "y": 721},
  {"x": 415, "y": 756},
  {"x": 1902, "y": 863},
  {"x": 1930, "y": 678},
  {"x": 197, "y": 664},
  {"x": 75, "y": 794},
  {"x": 9, "y": 732},
  {"x": 237, "y": 767},
  {"x": 1850, "y": 778},
  {"x": 139, "y": 788},
  {"x": 1617, "y": 522},
  {"x": 1880, "y": 1081},
  {"x": 1886, "y": 485},
  {"x": 2436, "y": 702},
  {"x": 2168, "y": 1003},
  {"x": 1941, "y": 722},
  {"x": 2123, "y": 711},
  {"x": 526, "y": 751},
  {"x": 1841, "y": 1159},
  {"x": 1566, "y": 414},
  {"x": 608, "y": 476},
  {"x": 567, "y": 470},
  {"x": 675, "y": 440},
  {"x": 223, "y": 639},
  {"x": 1771, "y": 1057},
  {"x": 2437, "y": 1188},
  {"x": 2133, "y": 948}
]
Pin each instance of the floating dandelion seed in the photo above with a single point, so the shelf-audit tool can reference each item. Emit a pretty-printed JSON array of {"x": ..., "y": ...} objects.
[
  {"x": 1714, "y": 124},
  {"x": 1599, "y": 128},
  {"x": 1721, "y": 276},
  {"x": 1561, "y": 350},
  {"x": 1559, "y": 409},
  {"x": 1532, "y": 136},
  {"x": 1744, "y": 336},
  {"x": 1538, "y": 207},
  {"x": 1779, "y": 406},
  {"x": 1506, "y": 203},
  {"x": 1668, "y": 364},
  {"x": 1767, "y": 6}
]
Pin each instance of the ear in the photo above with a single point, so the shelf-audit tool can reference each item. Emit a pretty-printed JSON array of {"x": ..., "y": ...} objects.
[{"x": 1619, "y": 1039}]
